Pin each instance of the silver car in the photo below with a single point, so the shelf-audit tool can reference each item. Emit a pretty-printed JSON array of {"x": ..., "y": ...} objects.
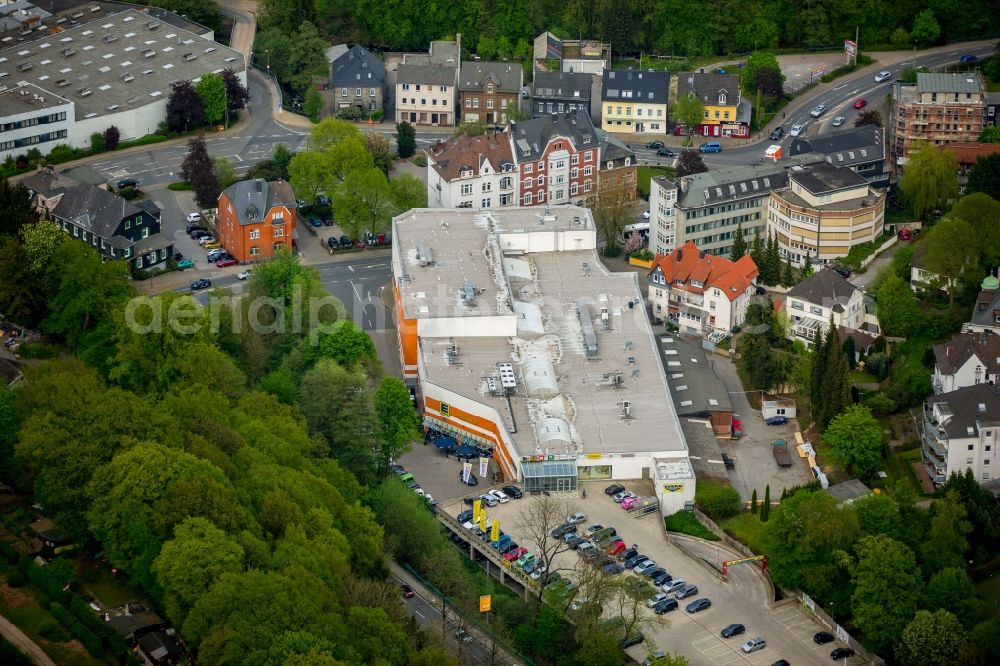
[
  {"x": 882, "y": 76},
  {"x": 673, "y": 585},
  {"x": 796, "y": 130},
  {"x": 838, "y": 121},
  {"x": 818, "y": 111}
]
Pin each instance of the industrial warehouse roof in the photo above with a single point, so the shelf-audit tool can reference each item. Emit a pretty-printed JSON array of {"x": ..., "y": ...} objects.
[
  {"x": 115, "y": 63},
  {"x": 541, "y": 317}
]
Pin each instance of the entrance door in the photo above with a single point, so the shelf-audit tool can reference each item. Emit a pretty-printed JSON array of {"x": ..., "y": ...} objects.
[
  {"x": 434, "y": 119},
  {"x": 564, "y": 484},
  {"x": 639, "y": 128}
]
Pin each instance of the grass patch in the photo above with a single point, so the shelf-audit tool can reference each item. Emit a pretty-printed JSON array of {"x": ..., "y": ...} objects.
[
  {"x": 898, "y": 216},
  {"x": 645, "y": 173},
  {"x": 864, "y": 377},
  {"x": 989, "y": 590},
  {"x": 420, "y": 160},
  {"x": 686, "y": 523},
  {"x": 180, "y": 186},
  {"x": 747, "y": 528},
  {"x": 111, "y": 591},
  {"x": 899, "y": 467}
]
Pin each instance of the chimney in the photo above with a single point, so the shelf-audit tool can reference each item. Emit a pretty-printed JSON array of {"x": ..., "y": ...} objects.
[
  {"x": 260, "y": 185},
  {"x": 680, "y": 254}
]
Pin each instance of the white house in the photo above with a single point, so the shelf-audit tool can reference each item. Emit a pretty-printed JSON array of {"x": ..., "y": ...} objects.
[
  {"x": 472, "y": 172},
  {"x": 960, "y": 431},
  {"x": 966, "y": 360},
  {"x": 923, "y": 279},
  {"x": 700, "y": 291},
  {"x": 825, "y": 294}
]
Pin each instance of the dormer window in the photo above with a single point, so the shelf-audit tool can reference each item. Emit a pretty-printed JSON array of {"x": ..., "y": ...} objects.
[
  {"x": 489, "y": 88},
  {"x": 722, "y": 98}
]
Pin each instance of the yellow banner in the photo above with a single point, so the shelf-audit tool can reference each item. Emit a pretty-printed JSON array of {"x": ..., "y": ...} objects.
[
  {"x": 476, "y": 508},
  {"x": 482, "y": 521},
  {"x": 485, "y": 603},
  {"x": 673, "y": 487},
  {"x": 495, "y": 532}
]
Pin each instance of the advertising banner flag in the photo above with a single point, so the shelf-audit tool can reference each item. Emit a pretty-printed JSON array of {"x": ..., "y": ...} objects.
[
  {"x": 466, "y": 471},
  {"x": 484, "y": 467},
  {"x": 482, "y": 521},
  {"x": 476, "y": 508},
  {"x": 485, "y": 603},
  {"x": 495, "y": 531}
]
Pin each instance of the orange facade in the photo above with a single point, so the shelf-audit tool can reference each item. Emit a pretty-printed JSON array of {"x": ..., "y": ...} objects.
[{"x": 256, "y": 241}]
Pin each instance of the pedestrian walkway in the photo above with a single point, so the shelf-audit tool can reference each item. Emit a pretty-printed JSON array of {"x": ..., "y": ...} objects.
[{"x": 21, "y": 641}]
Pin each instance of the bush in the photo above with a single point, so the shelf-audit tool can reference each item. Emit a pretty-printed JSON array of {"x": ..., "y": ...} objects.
[
  {"x": 51, "y": 631},
  {"x": 91, "y": 642},
  {"x": 420, "y": 160},
  {"x": 63, "y": 153},
  {"x": 180, "y": 186},
  {"x": 717, "y": 500},
  {"x": 685, "y": 522},
  {"x": 8, "y": 553},
  {"x": 38, "y": 350},
  {"x": 612, "y": 251},
  {"x": 644, "y": 255},
  {"x": 97, "y": 143},
  {"x": 16, "y": 579}
]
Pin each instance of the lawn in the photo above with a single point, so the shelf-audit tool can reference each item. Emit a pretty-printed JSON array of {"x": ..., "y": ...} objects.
[
  {"x": 648, "y": 172},
  {"x": 686, "y": 523},
  {"x": 748, "y": 529},
  {"x": 863, "y": 377},
  {"x": 899, "y": 468},
  {"x": 111, "y": 591}
]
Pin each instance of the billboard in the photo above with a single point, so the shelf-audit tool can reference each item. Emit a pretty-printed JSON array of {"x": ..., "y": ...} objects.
[{"x": 850, "y": 48}]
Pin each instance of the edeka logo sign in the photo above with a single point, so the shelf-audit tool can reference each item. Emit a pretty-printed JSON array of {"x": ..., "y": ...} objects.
[
  {"x": 445, "y": 409},
  {"x": 673, "y": 487}
]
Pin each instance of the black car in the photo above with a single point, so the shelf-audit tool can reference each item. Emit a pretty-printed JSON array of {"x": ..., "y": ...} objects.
[
  {"x": 198, "y": 234},
  {"x": 823, "y": 637},
  {"x": 733, "y": 630},
  {"x": 635, "y": 561},
  {"x": 201, "y": 283},
  {"x": 698, "y": 605},
  {"x": 565, "y": 528},
  {"x": 333, "y": 243},
  {"x": 665, "y": 152},
  {"x": 655, "y": 571},
  {"x": 654, "y": 145},
  {"x": 178, "y": 256},
  {"x": 665, "y": 606},
  {"x": 346, "y": 242},
  {"x": 512, "y": 491},
  {"x": 472, "y": 480},
  {"x": 634, "y": 639},
  {"x": 575, "y": 541},
  {"x": 841, "y": 653},
  {"x": 661, "y": 579},
  {"x": 842, "y": 272},
  {"x": 781, "y": 662},
  {"x": 465, "y": 516},
  {"x": 322, "y": 200},
  {"x": 127, "y": 182},
  {"x": 628, "y": 554},
  {"x": 192, "y": 227},
  {"x": 777, "y": 133},
  {"x": 327, "y": 220},
  {"x": 613, "y": 489}
]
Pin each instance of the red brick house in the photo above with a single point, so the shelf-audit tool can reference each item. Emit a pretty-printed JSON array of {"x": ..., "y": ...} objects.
[
  {"x": 256, "y": 219},
  {"x": 557, "y": 158}
]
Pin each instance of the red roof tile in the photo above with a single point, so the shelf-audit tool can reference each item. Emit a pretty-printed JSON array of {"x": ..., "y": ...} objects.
[
  {"x": 470, "y": 152},
  {"x": 687, "y": 264}
]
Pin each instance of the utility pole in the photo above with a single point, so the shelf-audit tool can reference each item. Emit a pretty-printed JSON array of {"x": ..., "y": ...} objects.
[{"x": 857, "y": 33}]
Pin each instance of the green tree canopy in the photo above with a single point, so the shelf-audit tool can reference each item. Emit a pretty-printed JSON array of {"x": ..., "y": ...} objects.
[
  {"x": 930, "y": 178},
  {"x": 898, "y": 310},
  {"x": 951, "y": 589},
  {"x": 945, "y": 544},
  {"x": 755, "y": 62},
  {"x": 856, "y": 438},
  {"x": 690, "y": 112},
  {"x": 931, "y": 639},
  {"x": 212, "y": 92},
  {"x": 885, "y": 570},
  {"x": 953, "y": 252}
]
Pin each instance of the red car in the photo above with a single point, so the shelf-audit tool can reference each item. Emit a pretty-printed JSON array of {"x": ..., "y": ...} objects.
[
  {"x": 408, "y": 592},
  {"x": 860, "y": 103},
  {"x": 223, "y": 263},
  {"x": 616, "y": 547},
  {"x": 515, "y": 554}
]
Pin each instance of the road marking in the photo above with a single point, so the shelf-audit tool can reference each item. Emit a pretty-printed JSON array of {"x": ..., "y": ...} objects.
[
  {"x": 839, "y": 87},
  {"x": 351, "y": 268},
  {"x": 376, "y": 266},
  {"x": 420, "y": 615},
  {"x": 355, "y": 288}
]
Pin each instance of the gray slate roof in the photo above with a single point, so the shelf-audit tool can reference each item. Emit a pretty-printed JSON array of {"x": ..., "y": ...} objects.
[
  {"x": 634, "y": 86},
  {"x": 965, "y": 82},
  {"x": 734, "y": 183},
  {"x": 507, "y": 76},
  {"x": 434, "y": 75},
  {"x": 95, "y": 210},
  {"x": 855, "y": 145},
  {"x": 252, "y": 199},
  {"x": 562, "y": 85},
  {"x": 848, "y": 491},
  {"x": 951, "y": 355},
  {"x": 531, "y": 136},
  {"x": 357, "y": 66},
  {"x": 49, "y": 183},
  {"x": 708, "y": 85},
  {"x": 825, "y": 178},
  {"x": 987, "y": 302},
  {"x": 825, "y": 286},
  {"x": 971, "y": 407},
  {"x": 611, "y": 148}
]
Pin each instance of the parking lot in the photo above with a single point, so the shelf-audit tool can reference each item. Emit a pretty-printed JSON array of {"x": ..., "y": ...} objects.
[{"x": 788, "y": 629}]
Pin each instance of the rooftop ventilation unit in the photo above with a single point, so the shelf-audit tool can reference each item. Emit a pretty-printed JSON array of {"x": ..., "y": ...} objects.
[
  {"x": 469, "y": 293},
  {"x": 589, "y": 337},
  {"x": 127, "y": 76},
  {"x": 110, "y": 38},
  {"x": 425, "y": 255},
  {"x": 508, "y": 380},
  {"x": 24, "y": 66},
  {"x": 190, "y": 56},
  {"x": 68, "y": 51},
  {"x": 152, "y": 25},
  {"x": 148, "y": 53},
  {"x": 83, "y": 92},
  {"x": 626, "y": 409},
  {"x": 62, "y": 82}
]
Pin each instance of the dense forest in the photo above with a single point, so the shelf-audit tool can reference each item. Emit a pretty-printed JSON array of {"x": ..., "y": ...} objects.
[{"x": 668, "y": 27}]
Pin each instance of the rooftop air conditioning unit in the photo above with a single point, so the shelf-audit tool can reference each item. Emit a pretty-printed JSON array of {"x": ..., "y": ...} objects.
[
  {"x": 148, "y": 53},
  {"x": 152, "y": 25},
  {"x": 85, "y": 91},
  {"x": 126, "y": 77},
  {"x": 110, "y": 38}
]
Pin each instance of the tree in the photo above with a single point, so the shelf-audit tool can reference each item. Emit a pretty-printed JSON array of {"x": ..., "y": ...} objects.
[
  {"x": 237, "y": 96},
  {"x": 381, "y": 150},
  {"x": 198, "y": 170},
  {"x": 990, "y": 134},
  {"x": 985, "y": 176},
  {"x": 225, "y": 174},
  {"x": 396, "y": 419},
  {"x": 112, "y": 136},
  {"x": 930, "y": 178},
  {"x": 856, "y": 438},
  {"x": 869, "y": 117},
  {"x": 886, "y": 569},
  {"x": 951, "y": 589},
  {"x": 755, "y": 62},
  {"x": 308, "y": 171},
  {"x": 689, "y": 112},
  {"x": 537, "y": 519},
  {"x": 981, "y": 212},
  {"x": 765, "y": 509},
  {"x": 756, "y": 249},
  {"x": 788, "y": 274},
  {"x": 97, "y": 144},
  {"x": 211, "y": 91},
  {"x": 207, "y": 15},
  {"x": 753, "y": 502},
  {"x": 407, "y": 192},
  {"x": 40, "y": 241},
  {"x": 611, "y": 214},
  {"x": 769, "y": 82},
  {"x": 983, "y": 510},
  {"x": 953, "y": 252},
  {"x": 983, "y": 647},
  {"x": 807, "y": 267},
  {"x": 363, "y": 202},
  {"x": 471, "y": 129},
  {"x": 945, "y": 544},
  {"x": 406, "y": 140},
  {"x": 925, "y": 30},
  {"x": 931, "y": 639},
  {"x": 898, "y": 310},
  {"x": 184, "y": 109},
  {"x": 739, "y": 244},
  {"x": 313, "y": 104},
  {"x": 15, "y": 202},
  {"x": 690, "y": 162},
  {"x": 832, "y": 392}
]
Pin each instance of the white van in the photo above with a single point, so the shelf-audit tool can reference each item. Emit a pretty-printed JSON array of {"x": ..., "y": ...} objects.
[{"x": 641, "y": 227}]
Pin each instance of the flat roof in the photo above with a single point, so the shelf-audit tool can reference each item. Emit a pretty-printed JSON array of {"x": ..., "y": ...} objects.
[
  {"x": 28, "y": 98},
  {"x": 694, "y": 385},
  {"x": 115, "y": 63},
  {"x": 826, "y": 178},
  {"x": 546, "y": 287}
]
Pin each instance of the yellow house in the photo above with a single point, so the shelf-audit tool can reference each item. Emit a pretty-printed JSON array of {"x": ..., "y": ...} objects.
[
  {"x": 725, "y": 112},
  {"x": 634, "y": 102}
]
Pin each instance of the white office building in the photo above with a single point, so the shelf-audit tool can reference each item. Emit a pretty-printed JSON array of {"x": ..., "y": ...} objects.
[{"x": 31, "y": 117}]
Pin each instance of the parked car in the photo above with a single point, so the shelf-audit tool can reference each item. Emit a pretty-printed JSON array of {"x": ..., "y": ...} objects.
[
  {"x": 573, "y": 539},
  {"x": 732, "y": 630},
  {"x": 576, "y": 518},
  {"x": 838, "y": 121},
  {"x": 654, "y": 145},
  {"x": 616, "y": 547},
  {"x": 818, "y": 110},
  {"x": 796, "y": 129},
  {"x": 777, "y": 133},
  {"x": 620, "y": 496},
  {"x": 612, "y": 568},
  {"x": 465, "y": 516},
  {"x": 194, "y": 217},
  {"x": 499, "y": 496},
  {"x": 661, "y": 579},
  {"x": 634, "y": 639},
  {"x": 665, "y": 606},
  {"x": 645, "y": 214},
  {"x": 131, "y": 182},
  {"x": 566, "y": 536},
  {"x": 698, "y": 605},
  {"x": 489, "y": 500},
  {"x": 408, "y": 592},
  {"x": 841, "y": 653},
  {"x": 186, "y": 263},
  {"x": 665, "y": 152},
  {"x": 781, "y": 662},
  {"x": 753, "y": 645},
  {"x": 514, "y": 555},
  {"x": 654, "y": 572},
  {"x": 199, "y": 233},
  {"x": 968, "y": 57},
  {"x": 628, "y": 553},
  {"x": 587, "y": 549},
  {"x": 673, "y": 585},
  {"x": 613, "y": 489},
  {"x": 192, "y": 227},
  {"x": 225, "y": 263},
  {"x": 211, "y": 245},
  {"x": 315, "y": 220},
  {"x": 635, "y": 561},
  {"x": 513, "y": 491},
  {"x": 842, "y": 272},
  {"x": 346, "y": 242},
  {"x": 592, "y": 530},
  {"x": 860, "y": 103},
  {"x": 644, "y": 566},
  {"x": 525, "y": 559},
  {"x": 686, "y": 591},
  {"x": 823, "y": 637},
  {"x": 201, "y": 283},
  {"x": 655, "y": 599},
  {"x": 776, "y": 420},
  {"x": 883, "y": 76},
  {"x": 471, "y": 481},
  {"x": 243, "y": 276},
  {"x": 538, "y": 572},
  {"x": 322, "y": 200},
  {"x": 562, "y": 529}
]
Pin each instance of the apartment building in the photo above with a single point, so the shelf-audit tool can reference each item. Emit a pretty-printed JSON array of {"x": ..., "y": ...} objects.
[
  {"x": 557, "y": 158},
  {"x": 357, "y": 78},
  {"x": 257, "y": 219},
  {"x": 960, "y": 432},
  {"x": 472, "y": 172},
  {"x": 635, "y": 102},
  {"x": 34, "y": 118},
  {"x": 618, "y": 174},
  {"x": 425, "y": 94},
  {"x": 966, "y": 360},
  {"x": 726, "y": 113},
  {"x": 861, "y": 149},
  {"x": 823, "y": 212},
  {"x": 486, "y": 89},
  {"x": 556, "y": 92},
  {"x": 940, "y": 108}
]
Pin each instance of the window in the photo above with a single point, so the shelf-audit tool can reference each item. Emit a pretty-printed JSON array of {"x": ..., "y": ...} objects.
[
  {"x": 254, "y": 234},
  {"x": 541, "y": 180},
  {"x": 466, "y": 188},
  {"x": 442, "y": 89},
  {"x": 76, "y": 232},
  {"x": 371, "y": 92},
  {"x": 588, "y": 171},
  {"x": 357, "y": 93},
  {"x": 468, "y": 102},
  {"x": 343, "y": 91},
  {"x": 527, "y": 183},
  {"x": 489, "y": 88},
  {"x": 475, "y": 103},
  {"x": 527, "y": 168},
  {"x": 574, "y": 159},
  {"x": 527, "y": 198},
  {"x": 971, "y": 447},
  {"x": 486, "y": 203},
  {"x": 277, "y": 246},
  {"x": 968, "y": 461},
  {"x": 487, "y": 186},
  {"x": 128, "y": 224},
  {"x": 278, "y": 232},
  {"x": 406, "y": 86},
  {"x": 506, "y": 183},
  {"x": 489, "y": 103}
]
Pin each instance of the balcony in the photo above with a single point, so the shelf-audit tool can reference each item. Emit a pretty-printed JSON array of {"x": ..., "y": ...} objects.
[
  {"x": 937, "y": 472},
  {"x": 931, "y": 428}
]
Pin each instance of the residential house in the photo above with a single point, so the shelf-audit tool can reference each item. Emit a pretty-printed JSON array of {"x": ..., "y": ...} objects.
[
  {"x": 357, "y": 79},
  {"x": 966, "y": 154},
  {"x": 986, "y": 312},
  {"x": 940, "y": 108},
  {"x": 117, "y": 228},
  {"x": 472, "y": 172},
  {"x": 924, "y": 279},
  {"x": 861, "y": 149},
  {"x": 960, "y": 430},
  {"x": 992, "y": 109},
  {"x": 823, "y": 296},
  {"x": 257, "y": 219},
  {"x": 556, "y": 158},
  {"x": 425, "y": 95},
  {"x": 823, "y": 212},
  {"x": 966, "y": 360},
  {"x": 617, "y": 178},
  {"x": 701, "y": 292},
  {"x": 556, "y": 92},
  {"x": 726, "y": 113},
  {"x": 133, "y": 623},
  {"x": 778, "y": 407},
  {"x": 160, "y": 648},
  {"x": 486, "y": 89},
  {"x": 570, "y": 55},
  {"x": 635, "y": 102}
]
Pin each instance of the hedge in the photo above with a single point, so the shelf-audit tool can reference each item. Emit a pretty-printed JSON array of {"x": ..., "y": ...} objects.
[
  {"x": 91, "y": 642},
  {"x": 11, "y": 656}
]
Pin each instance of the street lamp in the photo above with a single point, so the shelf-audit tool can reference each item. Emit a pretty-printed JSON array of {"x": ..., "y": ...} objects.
[{"x": 268, "y": 54}]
